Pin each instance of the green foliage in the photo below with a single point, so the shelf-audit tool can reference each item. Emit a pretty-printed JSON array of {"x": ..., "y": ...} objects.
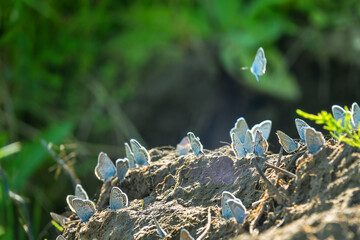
[{"x": 343, "y": 131}]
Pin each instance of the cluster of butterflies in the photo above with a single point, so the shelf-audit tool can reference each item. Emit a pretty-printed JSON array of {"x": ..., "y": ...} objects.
[{"x": 244, "y": 142}]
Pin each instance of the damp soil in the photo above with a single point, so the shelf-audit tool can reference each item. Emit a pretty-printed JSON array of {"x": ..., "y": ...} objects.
[{"x": 322, "y": 202}]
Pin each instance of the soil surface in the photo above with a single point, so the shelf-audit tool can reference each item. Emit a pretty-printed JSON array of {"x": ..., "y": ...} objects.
[{"x": 322, "y": 202}]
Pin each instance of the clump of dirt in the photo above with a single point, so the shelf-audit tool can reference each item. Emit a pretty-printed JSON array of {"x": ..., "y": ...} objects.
[{"x": 321, "y": 202}]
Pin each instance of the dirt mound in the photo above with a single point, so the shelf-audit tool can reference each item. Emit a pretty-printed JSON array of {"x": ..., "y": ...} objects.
[{"x": 321, "y": 202}]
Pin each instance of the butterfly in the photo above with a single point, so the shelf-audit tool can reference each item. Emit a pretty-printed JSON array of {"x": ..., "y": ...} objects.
[
  {"x": 260, "y": 144},
  {"x": 314, "y": 140},
  {"x": 300, "y": 127},
  {"x": 141, "y": 155},
  {"x": 225, "y": 208},
  {"x": 258, "y": 67},
  {"x": 118, "y": 199},
  {"x": 264, "y": 127},
  {"x": 122, "y": 167},
  {"x": 237, "y": 146},
  {"x": 287, "y": 142},
  {"x": 130, "y": 155},
  {"x": 248, "y": 142},
  {"x": 195, "y": 144},
  {"x": 238, "y": 210},
  {"x": 105, "y": 168},
  {"x": 185, "y": 235},
  {"x": 160, "y": 231},
  {"x": 355, "y": 115},
  {"x": 183, "y": 147},
  {"x": 60, "y": 219},
  {"x": 338, "y": 113},
  {"x": 240, "y": 129},
  {"x": 79, "y": 193},
  {"x": 83, "y": 208},
  {"x": 60, "y": 237}
]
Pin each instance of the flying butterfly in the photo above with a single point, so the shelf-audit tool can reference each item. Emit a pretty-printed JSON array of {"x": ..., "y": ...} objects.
[
  {"x": 260, "y": 144},
  {"x": 122, "y": 167},
  {"x": 118, "y": 199},
  {"x": 84, "y": 208},
  {"x": 258, "y": 67},
  {"x": 105, "y": 168},
  {"x": 141, "y": 155},
  {"x": 287, "y": 142},
  {"x": 195, "y": 144},
  {"x": 314, "y": 140}
]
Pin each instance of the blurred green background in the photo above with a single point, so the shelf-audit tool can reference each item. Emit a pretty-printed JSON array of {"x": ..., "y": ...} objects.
[{"x": 89, "y": 75}]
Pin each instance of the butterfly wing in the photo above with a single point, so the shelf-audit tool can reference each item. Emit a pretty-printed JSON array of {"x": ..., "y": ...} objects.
[
  {"x": 105, "y": 168},
  {"x": 195, "y": 144},
  {"x": 260, "y": 144},
  {"x": 248, "y": 142},
  {"x": 258, "y": 67},
  {"x": 84, "y": 208},
  {"x": 160, "y": 231},
  {"x": 237, "y": 146},
  {"x": 225, "y": 208},
  {"x": 355, "y": 115},
  {"x": 240, "y": 129},
  {"x": 60, "y": 219},
  {"x": 69, "y": 199},
  {"x": 185, "y": 235},
  {"x": 287, "y": 142},
  {"x": 141, "y": 155},
  {"x": 118, "y": 199},
  {"x": 338, "y": 113},
  {"x": 80, "y": 192},
  {"x": 60, "y": 237},
  {"x": 300, "y": 127},
  {"x": 238, "y": 210},
  {"x": 122, "y": 167},
  {"x": 264, "y": 127},
  {"x": 183, "y": 147},
  {"x": 314, "y": 140},
  {"x": 130, "y": 155}
]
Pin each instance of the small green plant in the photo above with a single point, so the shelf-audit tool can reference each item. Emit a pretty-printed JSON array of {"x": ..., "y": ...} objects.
[{"x": 343, "y": 132}]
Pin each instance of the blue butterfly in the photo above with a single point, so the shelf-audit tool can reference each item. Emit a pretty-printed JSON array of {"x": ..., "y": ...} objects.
[
  {"x": 240, "y": 129},
  {"x": 105, "y": 168},
  {"x": 79, "y": 193},
  {"x": 183, "y": 147},
  {"x": 141, "y": 155},
  {"x": 258, "y": 67},
  {"x": 160, "y": 231},
  {"x": 118, "y": 199},
  {"x": 195, "y": 144},
  {"x": 130, "y": 156},
  {"x": 264, "y": 127},
  {"x": 314, "y": 140},
  {"x": 339, "y": 113},
  {"x": 237, "y": 146},
  {"x": 355, "y": 115},
  {"x": 84, "y": 208},
  {"x": 287, "y": 142},
  {"x": 300, "y": 127},
  {"x": 260, "y": 144},
  {"x": 238, "y": 210},
  {"x": 225, "y": 208},
  {"x": 185, "y": 235},
  {"x": 248, "y": 142},
  {"x": 122, "y": 167},
  {"x": 60, "y": 237}
]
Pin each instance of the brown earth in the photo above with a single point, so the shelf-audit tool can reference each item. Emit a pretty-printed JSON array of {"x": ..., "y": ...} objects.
[{"x": 322, "y": 202}]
